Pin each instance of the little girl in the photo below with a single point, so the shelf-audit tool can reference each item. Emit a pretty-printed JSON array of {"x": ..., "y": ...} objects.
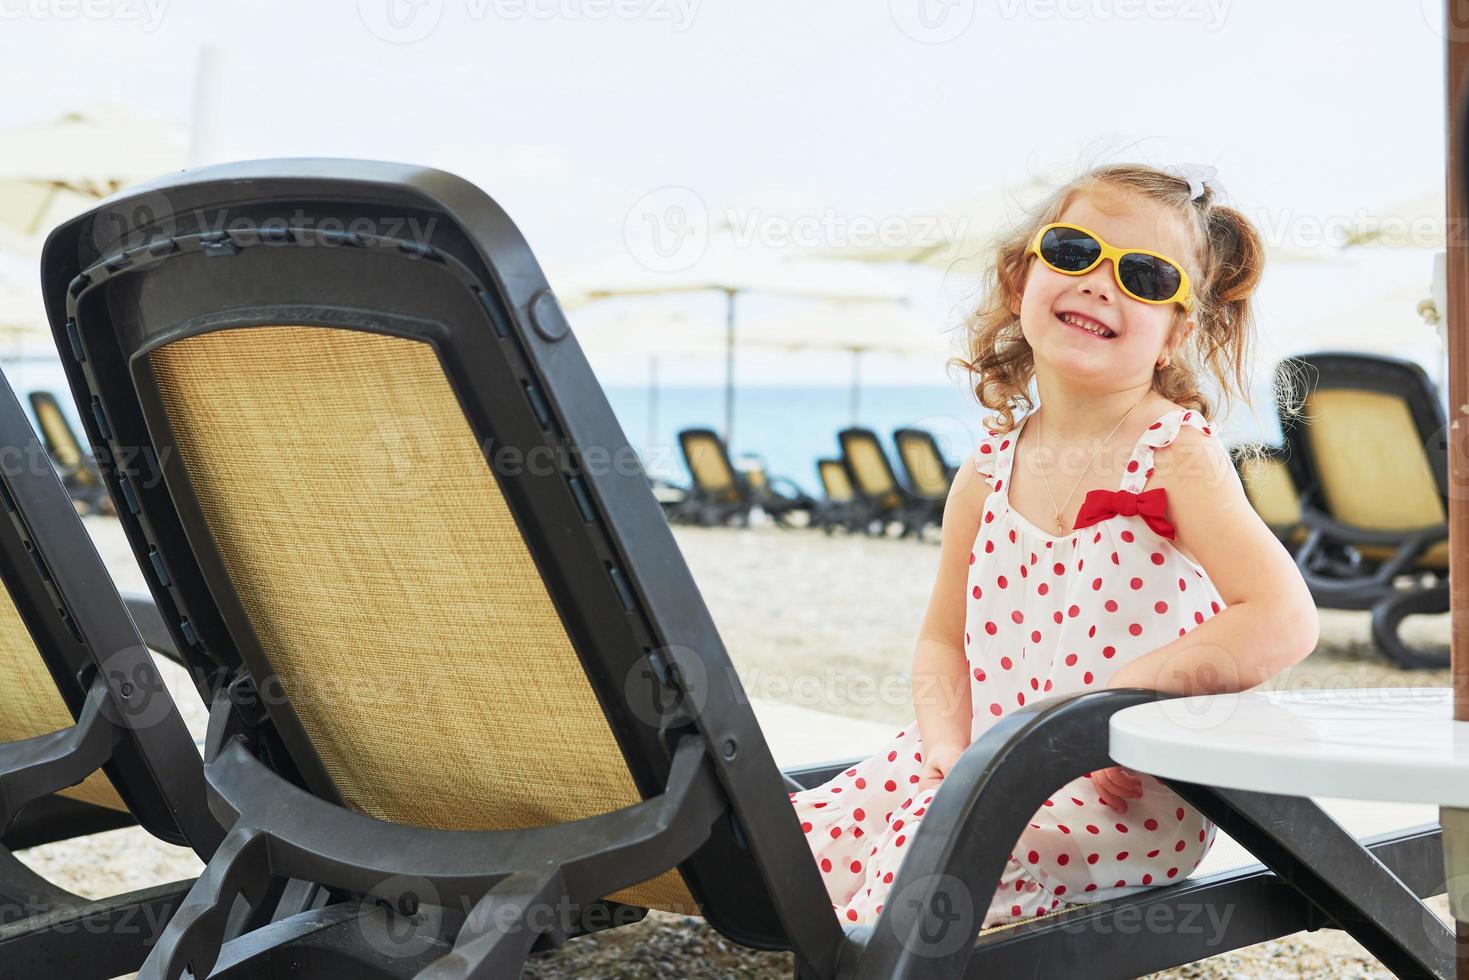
[{"x": 1128, "y": 287}]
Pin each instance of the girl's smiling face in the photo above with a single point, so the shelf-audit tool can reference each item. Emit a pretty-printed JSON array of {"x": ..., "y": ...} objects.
[{"x": 1140, "y": 332}]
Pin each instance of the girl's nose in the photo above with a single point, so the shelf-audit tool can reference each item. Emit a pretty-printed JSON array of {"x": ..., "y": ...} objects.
[{"x": 1099, "y": 282}]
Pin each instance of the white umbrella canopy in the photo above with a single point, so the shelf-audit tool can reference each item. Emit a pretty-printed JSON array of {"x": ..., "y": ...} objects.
[
  {"x": 857, "y": 329},
  {"x": 1416, "y": 222},
  {"x": 54, "y": 170},
  {"x": 733, "y": 271},
  {"x": 957, "y": 236},
  {"x": 650, "y": 328},
  {"x": 945, "y": 235},
  {"x": 23, "y": 325},
  {"x": 651, "y": 331}
]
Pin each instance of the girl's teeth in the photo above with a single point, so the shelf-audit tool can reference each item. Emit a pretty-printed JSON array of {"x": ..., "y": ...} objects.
[{"x": 1067, "y": 318}]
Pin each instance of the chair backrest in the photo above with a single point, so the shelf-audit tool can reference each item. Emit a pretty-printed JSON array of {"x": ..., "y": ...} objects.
[
  {"x": 872, "y": 474},
  {"x": 1271, "y": 489},
  {"x": 708, "y": 463},
  {"x": 63, "y": 628},
  {"x": 1374, "y": 439},
  {"x": 919, "y": 451},
  {"x": 60, "y": 441},
  {"x": 373, "y": 473},
  {"x": 836, "y": 481}
]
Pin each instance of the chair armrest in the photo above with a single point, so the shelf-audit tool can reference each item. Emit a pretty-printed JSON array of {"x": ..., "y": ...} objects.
[{"x": 959, "y": 851}]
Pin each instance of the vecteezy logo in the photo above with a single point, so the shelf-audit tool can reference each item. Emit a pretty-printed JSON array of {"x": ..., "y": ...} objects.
[
  {"x": 932, "y": 21},
  {"x": 941, "y": 913},
  {"x": 133, "y": 221},
  {"x": 667, "y": 230},
  {"x": 400, "y": 21}
]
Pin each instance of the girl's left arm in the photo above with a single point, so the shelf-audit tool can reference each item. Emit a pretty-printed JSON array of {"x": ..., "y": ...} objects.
[{"x": 1269, "y": 622}]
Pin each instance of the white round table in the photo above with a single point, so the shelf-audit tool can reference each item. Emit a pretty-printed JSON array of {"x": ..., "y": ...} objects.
[
  {"x": 1392, "y": 744},
  {"x": 1396, "y": 745}
]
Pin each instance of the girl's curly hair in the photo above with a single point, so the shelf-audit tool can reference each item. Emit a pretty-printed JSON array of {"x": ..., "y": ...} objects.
[{"x": 1227, "y": 261}]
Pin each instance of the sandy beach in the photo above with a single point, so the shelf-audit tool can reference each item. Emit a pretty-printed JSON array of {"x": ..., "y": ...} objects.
[{"x": 826, "y": 624}]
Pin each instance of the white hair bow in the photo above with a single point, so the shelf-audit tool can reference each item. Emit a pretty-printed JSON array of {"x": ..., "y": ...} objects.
[{"x": 1199, "y": 176}]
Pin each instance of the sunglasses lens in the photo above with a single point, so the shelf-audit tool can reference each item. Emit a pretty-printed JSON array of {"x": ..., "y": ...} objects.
[
  {"x": 1069, "y": 249},
  {"x": 1148, "y": 277}
]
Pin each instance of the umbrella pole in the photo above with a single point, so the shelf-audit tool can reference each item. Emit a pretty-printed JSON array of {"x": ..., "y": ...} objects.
[
  {"x": 729, "y": 352},
  {"x": 856, "y": 384},
  {"x": 652, "y": 402}
]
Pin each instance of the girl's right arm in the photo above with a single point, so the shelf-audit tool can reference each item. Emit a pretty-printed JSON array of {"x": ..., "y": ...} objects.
[{"x": 940, "y": 668}]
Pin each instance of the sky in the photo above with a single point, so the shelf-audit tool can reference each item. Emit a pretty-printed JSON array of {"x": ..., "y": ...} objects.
[{"x": 789, "y": 117}]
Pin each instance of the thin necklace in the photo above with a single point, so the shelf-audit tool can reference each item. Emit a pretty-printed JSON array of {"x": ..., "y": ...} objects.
[{"x": 1040, "y": 444}]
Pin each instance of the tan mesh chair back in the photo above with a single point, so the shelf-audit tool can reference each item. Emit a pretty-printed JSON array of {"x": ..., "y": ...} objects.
[
  {"x": 867, "y": 463},
  {"x": 926, "y": 470},
  {"x": 1271, "y": 491},
  {"x": 1372, "y": 466},
  {"x": 708, "y": 463},
  {"x": 1374, "y": 472},
  {"x": 30, "y": 705},
  {"x": 437, "y": 620},
  {"x": 60, "y": 441},
  {"x": 835, "y": 481}
]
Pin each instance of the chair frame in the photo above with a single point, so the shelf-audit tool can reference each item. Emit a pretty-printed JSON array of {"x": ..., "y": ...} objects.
[
  {"x": 126, "y": 724},
  {"x": 895, "y": 505},
  {"x": 714, "y": 801},
  {"x": 705, "y": 507},
  {"x": 779, "y": 498},
  {"x": 852, "y": 514},
  {"x": 931, "y": 445},
  {"x": 1338, "y": 582}
]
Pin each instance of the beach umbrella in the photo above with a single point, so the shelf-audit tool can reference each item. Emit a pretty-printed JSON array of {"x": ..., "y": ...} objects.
[
  {"x": 855, "y": 329},
  {"x": 957, "y": 235},
  {"x": 54, "y": 170},
  {"x": 1415, "y": 222},
  {"x": 942, "y": 236},
  {"x": 735, "y": 272},
  {"x": 23, "y": 326},
  {"x": 652, "y": 331}
]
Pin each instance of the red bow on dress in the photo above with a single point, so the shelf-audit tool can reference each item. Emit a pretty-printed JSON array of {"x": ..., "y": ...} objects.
[{"x": 1150, "y": 505}]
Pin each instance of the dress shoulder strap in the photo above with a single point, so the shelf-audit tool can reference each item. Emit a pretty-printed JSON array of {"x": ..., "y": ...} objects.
[
  {"x": 1155, "y": 437},
  {"x": 994, "y": 454}
]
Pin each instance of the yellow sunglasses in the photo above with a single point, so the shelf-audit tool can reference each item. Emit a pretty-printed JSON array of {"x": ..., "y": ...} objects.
[{"x": 1145, "y": 276}]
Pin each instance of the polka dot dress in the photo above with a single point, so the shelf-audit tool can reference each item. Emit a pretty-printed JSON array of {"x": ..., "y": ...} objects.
[{"x": 1048, "y": 615}]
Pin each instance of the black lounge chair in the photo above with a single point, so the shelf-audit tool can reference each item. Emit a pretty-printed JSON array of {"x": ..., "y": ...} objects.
[
  {"x": 1374, "y": 452},
  {"x": 721, "y": 494},
  {"x": 500, "y": 714},
  {"x": 889, "y": 502},
  {"x": 841, "y": 506},
  {"x": 89, "y": 738},
  {"x": 929, "y": 474},
  {"x": 1274, "y": 490},
  {"x": 73, "y": 462}
]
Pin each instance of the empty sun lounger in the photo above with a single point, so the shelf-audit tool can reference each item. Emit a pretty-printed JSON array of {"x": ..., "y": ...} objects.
[
  {"x": 75, "y": 465},
  {"x": 89, "y": 737},
  {"x": 888, "y": 501},
  {"x": 1374, "y": 452}
]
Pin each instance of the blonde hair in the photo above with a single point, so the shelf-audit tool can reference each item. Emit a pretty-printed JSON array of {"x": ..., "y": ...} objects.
[{"x": 1228, "y": 260}]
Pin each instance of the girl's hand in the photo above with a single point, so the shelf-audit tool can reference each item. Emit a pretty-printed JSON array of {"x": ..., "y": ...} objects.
[
  {"x": 1116, "y": 786},
  {"x": 937, "y": 762}
]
